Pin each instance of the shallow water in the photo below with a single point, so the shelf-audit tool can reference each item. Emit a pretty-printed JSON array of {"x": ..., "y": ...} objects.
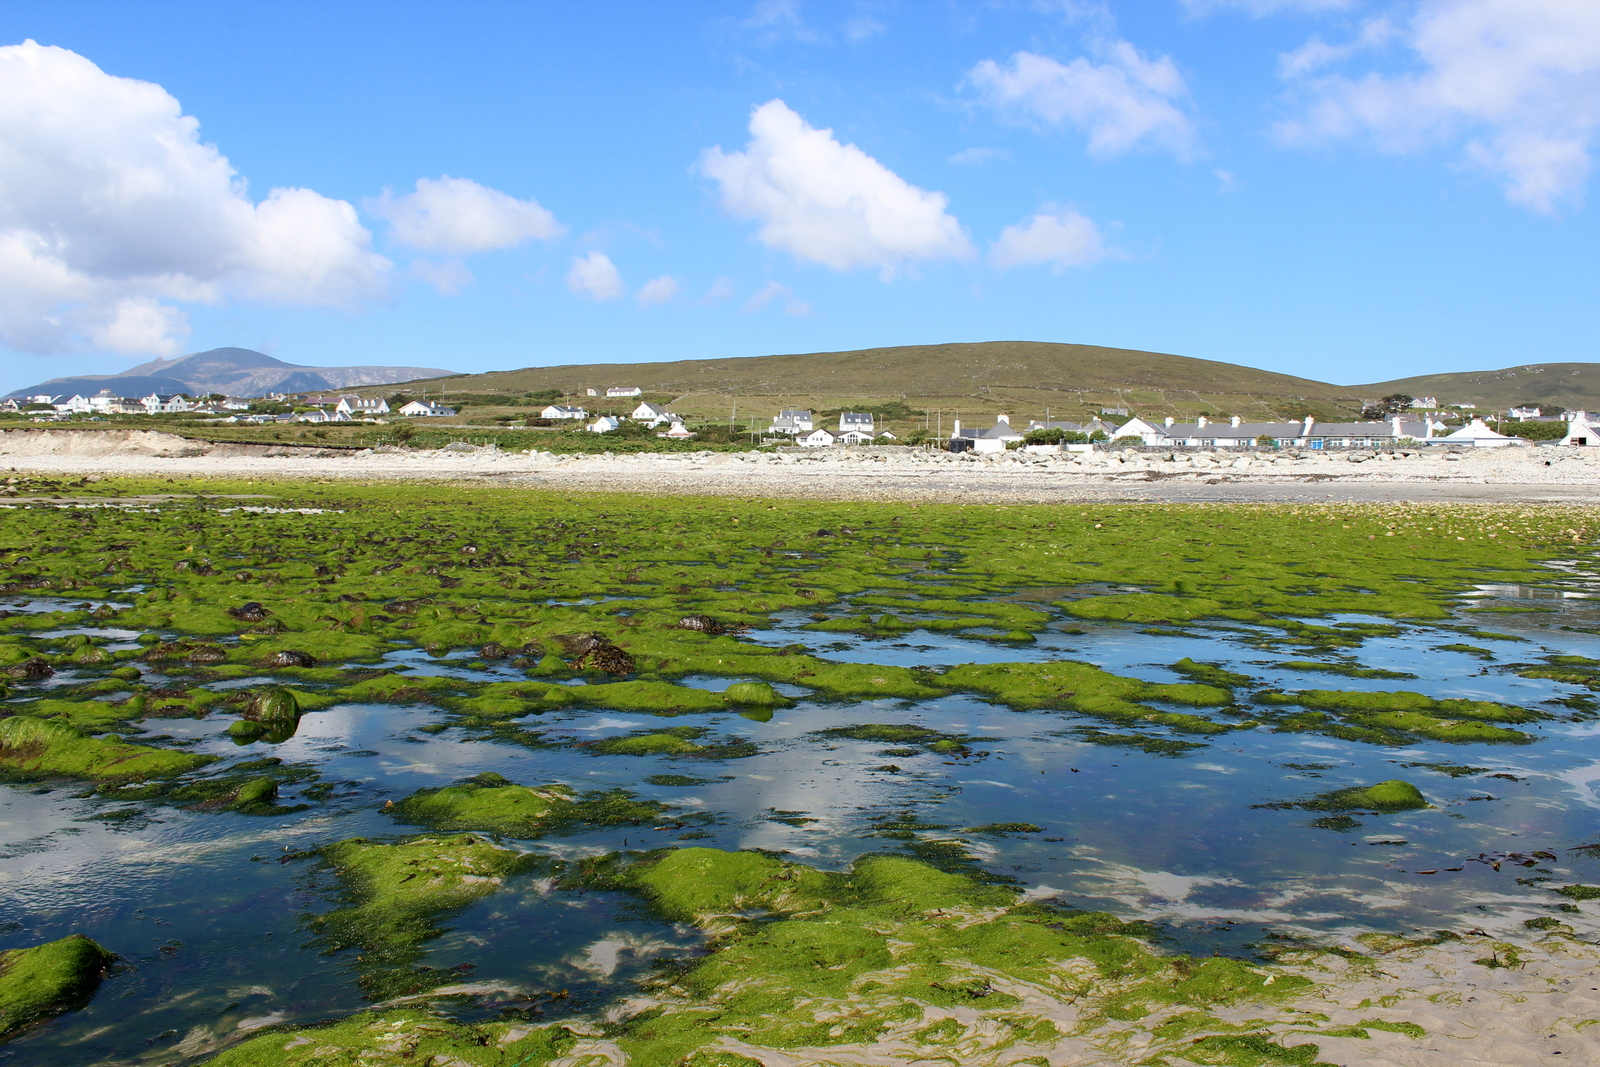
[{"x": 208, "y": 910}]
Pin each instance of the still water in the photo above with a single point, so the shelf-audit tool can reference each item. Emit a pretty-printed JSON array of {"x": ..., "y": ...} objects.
[{"x": 207, "y": 911}]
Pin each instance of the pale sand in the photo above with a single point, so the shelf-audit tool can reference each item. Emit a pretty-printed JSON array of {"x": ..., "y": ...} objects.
[{"x": 1505, "y": 475}]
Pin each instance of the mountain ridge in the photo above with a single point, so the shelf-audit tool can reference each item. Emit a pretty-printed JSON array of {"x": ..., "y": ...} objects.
[{"x": 241, "y": 372}]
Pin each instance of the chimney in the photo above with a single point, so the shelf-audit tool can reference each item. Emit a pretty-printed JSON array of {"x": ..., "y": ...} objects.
[
  {"x": 1200, "y": 420},
  {"x": 1310, "y": 421},
  {"x": 956, "y": 432},
  {"x": 1170, "y": 420},
  {"x": 998, "y": 419},
  {"x": 1395, "y": 422},
  {"x": 1236, "y": 421}
]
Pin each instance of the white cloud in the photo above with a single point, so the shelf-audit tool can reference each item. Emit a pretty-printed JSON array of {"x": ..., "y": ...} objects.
[
  {"x": 111, "y": 208},
  {"x": 1514, "y": 84},
  {"x": 861, "y": 28},
  {"x": 595, "y": 275},
  {"x": 1120, "y": 103},
  {"x": 721, "y": 289},
  {"x": 658, "y": 290},
  {"x": 972, "y": 157},
  {"x": 449, "y": 277},
  {"x": 1266, "y": 7},
  {"x": 1054, "y": 235},
  {"x": 775, "y": 291},
  {"x": 457, "y": 216},
  {"x": 830, "y": 203}
]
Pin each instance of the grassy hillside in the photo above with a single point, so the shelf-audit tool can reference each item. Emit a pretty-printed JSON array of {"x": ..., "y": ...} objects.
[
  {"x": 1575, "y": 386},
  {"x": 1022, "y": 378}
]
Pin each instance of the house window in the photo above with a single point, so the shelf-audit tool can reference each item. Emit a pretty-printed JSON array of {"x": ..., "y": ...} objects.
[
  {"x": 1580, "y": 440},
  {"x": 1317, "y": 444}
]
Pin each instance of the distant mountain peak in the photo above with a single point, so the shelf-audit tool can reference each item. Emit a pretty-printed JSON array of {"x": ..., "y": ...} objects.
[{"x": 234, "y": 371}]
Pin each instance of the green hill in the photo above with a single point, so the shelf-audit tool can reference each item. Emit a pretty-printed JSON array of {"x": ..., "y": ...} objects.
[
  {"x": 1023, "y": 378},
  {"x": 1574, "y": 386}
]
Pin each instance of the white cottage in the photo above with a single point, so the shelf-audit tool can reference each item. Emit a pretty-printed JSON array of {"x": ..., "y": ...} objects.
[
  {"x": 363, "y": 405},
  {"x": 426, "y": 409},
  {"x": 817, "y": 439},
  {"x": 1581, "y": 430},
  {"x": 561, "y": 411},
  {"x": 1478, "y": 435},
  {"x": 653, "y": 415}
]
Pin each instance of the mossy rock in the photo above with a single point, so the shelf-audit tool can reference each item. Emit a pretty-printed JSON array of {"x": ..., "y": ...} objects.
[
  {"x": 492, "y": 804},
  {"x": 49, "y": 979},
  {"x": 758, "y": 694},
  {"x": 1143, "y": 607},
  {"x": 662, "y": 744},
  {"x": 39, "y": 747},
  {"x": 1391, "y": 796},
  {"x": 401, "y": 1037}
]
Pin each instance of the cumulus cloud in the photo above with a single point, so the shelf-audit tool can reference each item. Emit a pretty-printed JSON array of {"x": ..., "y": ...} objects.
[
  {"x": 111, "y": 209},
  {"x": 1055, "y": 235},
  {"x": 658, "y": 290},
  {"x": 596, "y": 276},
  {"x": 1121, "y": 103},
  {"x": 457, "y": 216},
  {"x": 830, "y": 203},
  {"x": 1514, "y": 85}
]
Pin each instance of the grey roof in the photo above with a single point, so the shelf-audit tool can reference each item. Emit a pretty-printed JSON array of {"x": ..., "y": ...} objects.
[{"x": 1070, "y": 427}]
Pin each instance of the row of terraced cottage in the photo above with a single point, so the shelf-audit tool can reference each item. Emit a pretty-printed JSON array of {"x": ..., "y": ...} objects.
[{"x": 1235, "y": 433}]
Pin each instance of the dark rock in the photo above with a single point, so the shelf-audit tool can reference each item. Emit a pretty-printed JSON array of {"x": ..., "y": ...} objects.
[
  {"x": 494, "y": 650},
  {"x": 203, "y": 654},
  {"x": 611, "y": 659},
  {"x": 30, "y": 669},
  {"x": 702, "y": 623},
  {"x": 290, "y": 657},
  {"x": 251, "y": 612}
]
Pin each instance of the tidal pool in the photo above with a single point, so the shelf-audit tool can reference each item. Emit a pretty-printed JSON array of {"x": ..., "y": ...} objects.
[{"x": 1200, "y": 817}]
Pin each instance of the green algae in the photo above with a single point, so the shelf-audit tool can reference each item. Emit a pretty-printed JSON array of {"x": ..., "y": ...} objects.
[
  {"x": 677, "y": 741},
  {"x": 42, "y": 747},
  {"x": 396, "y": 894},
  {"x": 1211, "y": 674},
  {"x": 49, "y": 979},
  {"x": 1348, "y": 670},
  {"x": 1142, "y": 607},
  {"x": 408, "y": 1036},
  {"x": 492, "y": 804},
  {"x": 1068, "y": 686},
  {"x": 897, "y": 957},
  {"x": 906, "y": 733},
  {"x": 1397, "y": 717},
  {"x": 759, "y": 694},
  {"x": 1384, "y": 797}
]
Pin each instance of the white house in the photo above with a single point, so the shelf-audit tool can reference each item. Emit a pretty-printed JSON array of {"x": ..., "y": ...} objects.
[
  {"x": 426, "y": 409},
  {"x": 560, "y": 411},
  {"x": 994, "y": 439},
  {"x": 1137, "y": 427},
  {"x": 1581, "y": 430},
  {"x": 1477, "y": 434},
  {"x": 76, "y": 404},
  {"x": 1523, "y": 414},
  {"x": 653, "y": 415},
  {"x": 158, "y": 404},
  {"x": 606, "y": 423},
  {"x": 792, "y": 421},
  {"x": 1425, "y": 402},
  {"x": 885, "y": 435},
  {"x": 624, "y": 390},
  {"x": 677, "y": 431},
  {"x": 817, "y": 439},
  {"x": 321, "y": 415},
  {"x": 363, "y": 405},
  {"x": 855, "y": 437},
  {"x": 856, "y": 420}
]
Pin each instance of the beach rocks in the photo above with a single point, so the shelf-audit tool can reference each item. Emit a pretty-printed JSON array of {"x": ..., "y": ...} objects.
[
  {"x": 30, "y": 670},
  {"x": 597, "y": 651},
  {"x": 702, "y": 624},
  {"x": 251, "y": 612},
  {"x": 202, "y": 655},
  {"x": 290, "y": 657}
]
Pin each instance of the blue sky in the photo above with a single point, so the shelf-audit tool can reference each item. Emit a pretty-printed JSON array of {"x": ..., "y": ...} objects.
[{"x": 1351, "y": 190}]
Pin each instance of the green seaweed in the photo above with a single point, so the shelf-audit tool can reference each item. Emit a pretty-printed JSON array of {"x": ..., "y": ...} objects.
[
  {"x": 1070, "y": 686},
  {"x": 492, "y": 804},
  {"x": 49, "y": 979},
  {"x": 1391, "y": 796},
  {"x": 42, "y": 747},
  {"x": 405, "y": 1036},
  {"x": 395, "y": 895},
  {"x": 1348, "y": 670}
]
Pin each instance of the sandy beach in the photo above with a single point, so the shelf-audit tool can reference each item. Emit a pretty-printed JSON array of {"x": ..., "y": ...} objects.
[{"x": 1432, "y": 474}]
